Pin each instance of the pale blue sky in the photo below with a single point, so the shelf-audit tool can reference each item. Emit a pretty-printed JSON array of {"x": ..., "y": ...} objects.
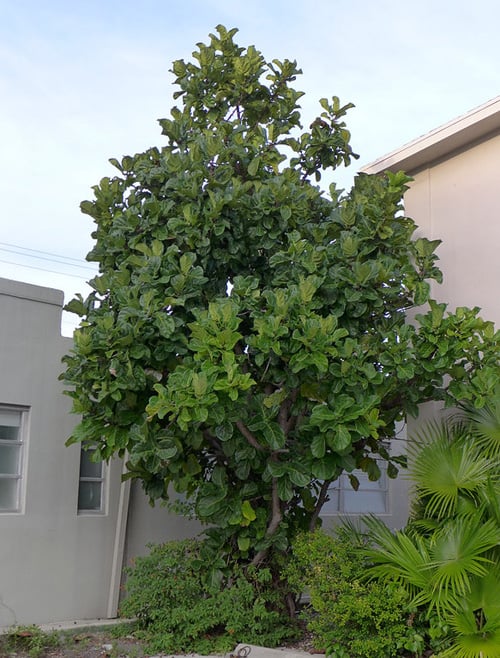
[{"x": 81, "y": 82}]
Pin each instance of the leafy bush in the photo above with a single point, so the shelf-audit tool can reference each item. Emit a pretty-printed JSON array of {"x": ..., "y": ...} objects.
[
  {"x": 180, "y": 609},
  {"x": 349, "y": 617}
]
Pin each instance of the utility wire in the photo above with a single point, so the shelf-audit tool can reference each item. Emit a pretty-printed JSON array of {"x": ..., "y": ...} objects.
[
  {"x": 51, "y": 260},
  {"x": 39, "y": 251},
  {"x": 43, "y": 269}
]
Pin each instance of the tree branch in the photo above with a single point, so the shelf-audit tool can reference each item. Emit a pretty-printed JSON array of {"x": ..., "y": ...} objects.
[
  {"x": 274, "y": 523},
  {"x": 249, "y": 436},
  {"x": 319, "y": 504},
  {"x": 286, "y": 421}
]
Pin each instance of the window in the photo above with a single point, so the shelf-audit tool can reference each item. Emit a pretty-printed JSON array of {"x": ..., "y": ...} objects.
[
  {"x": 91, "y": 483},
  {"x": 370, "y": 498},
  {"x": 12, "y": 441}
]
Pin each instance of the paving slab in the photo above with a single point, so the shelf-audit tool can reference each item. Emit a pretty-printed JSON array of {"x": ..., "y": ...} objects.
[{"x": 254, "y": 651}]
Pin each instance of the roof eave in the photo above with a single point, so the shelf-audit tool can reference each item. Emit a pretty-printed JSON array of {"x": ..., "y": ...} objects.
[{"x": 442, "y": 142}]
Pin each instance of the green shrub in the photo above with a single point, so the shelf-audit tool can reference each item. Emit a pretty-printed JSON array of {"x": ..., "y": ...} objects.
[
  {"x": 180, "y": 610},
  {"x": 349, "y": 617}
]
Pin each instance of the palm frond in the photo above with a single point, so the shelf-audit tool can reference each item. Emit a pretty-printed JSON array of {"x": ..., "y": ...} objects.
[
  {"x": 483, "y": 643},
  {"x": 485, "y": 596},
  {"x": 485, "y": 427},
  {"x": 397, "y": 556},
  {"x": 476, "y": 619},
  {"x": 444, "y": 468},
  {"x": 458, "y": 552},
  {"x": 490, "y": 500}
]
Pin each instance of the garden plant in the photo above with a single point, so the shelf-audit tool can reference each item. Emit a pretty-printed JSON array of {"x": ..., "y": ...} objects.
[
  {"x": 246, "y": 339},
  {"x": 448, "y": 557}
]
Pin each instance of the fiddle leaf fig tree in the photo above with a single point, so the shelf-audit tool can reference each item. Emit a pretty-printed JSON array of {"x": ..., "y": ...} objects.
[{"x": 246, "y": 340}]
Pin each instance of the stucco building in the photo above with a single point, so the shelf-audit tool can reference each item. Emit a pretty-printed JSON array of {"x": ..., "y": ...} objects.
[
  {"x": 455, "y": 197},
  {"x": 67, "y": 525}
]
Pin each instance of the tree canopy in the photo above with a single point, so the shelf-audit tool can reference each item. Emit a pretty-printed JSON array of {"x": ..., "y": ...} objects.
[{"x": 246, "y": 340}]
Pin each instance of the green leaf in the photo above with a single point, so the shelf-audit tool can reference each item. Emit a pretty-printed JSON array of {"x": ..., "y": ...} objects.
[
  {"x": 277, "y": 469},
  {"x": 422, "y": 292},
  {"x": 209, "y": 505},
  {"x": 299, "y": 478},
  {"x": 224, "y": 432},
  {"x": 248, "y": 511},
  {"x": 200, "y": 384},
  {"x": 77, "y": 306},
  {"x": 339, "y": 439},
  {"x": 165, "y": 324},
  {"x": 274, "y": 436},
  {"x": 253, "y": 167},
  {"x": 191, "y": 465},
  {"x": 392, "y": 470},
  {"x": 285, "y": 489},
  {"x": 243, "y": 543},
  {"x": 186, "y": 262},
  {"x": 318, "y": 446},
  {"x": 326, "y": 468},
  {"x": 285, "y": 212},
  {"x": 323, "y": 417}
]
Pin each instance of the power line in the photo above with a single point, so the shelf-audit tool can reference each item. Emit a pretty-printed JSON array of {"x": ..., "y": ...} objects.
[
  {"x": 51, "y": 260},
  {"x": 42, "y": 269},
  {"x": 40, "y": 251}
]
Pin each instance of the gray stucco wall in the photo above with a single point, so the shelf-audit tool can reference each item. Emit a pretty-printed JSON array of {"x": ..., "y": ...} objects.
[
  {"x": 54, "y": 564},
  {"x": 57, "y": 564}
]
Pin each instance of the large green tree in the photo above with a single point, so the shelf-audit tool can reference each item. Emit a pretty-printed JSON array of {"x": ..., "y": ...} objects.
[{"x": 246, "y": 340}]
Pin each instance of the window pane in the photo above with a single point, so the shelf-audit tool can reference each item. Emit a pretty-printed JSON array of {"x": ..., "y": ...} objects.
[
  {"x": 9, "y": 433},
  {"x": 9, "y": 459},
  {"x": 88, "y": 468},
  {"x": 366, "y": 484},
  {"x": 89, "y": 496},
  {"x": 370, "y": 498},
  {"x": 364, "y": 502},
  {"x": 10, "y": 418},
  {"x": 8, "y": 495}
]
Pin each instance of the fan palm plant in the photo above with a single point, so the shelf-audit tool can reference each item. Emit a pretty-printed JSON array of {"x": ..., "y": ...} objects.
[{"x": 448, "y": 556}]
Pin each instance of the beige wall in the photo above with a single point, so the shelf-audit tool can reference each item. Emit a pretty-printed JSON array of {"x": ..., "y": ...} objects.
[{"x": 458, "y": 201}]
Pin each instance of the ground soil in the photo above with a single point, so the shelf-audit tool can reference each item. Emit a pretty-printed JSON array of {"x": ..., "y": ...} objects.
[{"x": 90, "y": 643}]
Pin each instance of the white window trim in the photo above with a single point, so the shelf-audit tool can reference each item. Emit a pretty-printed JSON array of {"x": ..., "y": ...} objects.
[
  {"x": 104, "y": 482},
  {"x": 22, "y": 443},
  {"x": 343, "y": 487}
]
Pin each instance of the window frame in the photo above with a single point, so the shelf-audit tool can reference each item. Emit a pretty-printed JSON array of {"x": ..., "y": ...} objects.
[
  {"x": 102, "y": 480},
  {"x": 342, "y": 487},
  {"x": 20, "y": 442}
]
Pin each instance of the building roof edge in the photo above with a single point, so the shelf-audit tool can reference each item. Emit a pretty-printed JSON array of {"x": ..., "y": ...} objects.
[{"x": 440, "y": 143}]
